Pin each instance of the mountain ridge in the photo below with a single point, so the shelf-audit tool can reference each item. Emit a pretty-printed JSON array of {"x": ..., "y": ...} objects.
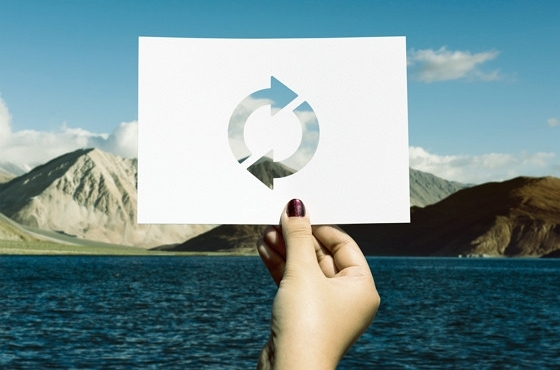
[
  {"x": 515, "y": 218},
  {"x": 5, "y": 177},
  {"x": 426, "y": 188},
  {"x": 89, "y": 194}
]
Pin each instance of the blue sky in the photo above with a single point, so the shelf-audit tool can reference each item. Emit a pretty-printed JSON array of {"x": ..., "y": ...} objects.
[{"x": 483, "y": 80}]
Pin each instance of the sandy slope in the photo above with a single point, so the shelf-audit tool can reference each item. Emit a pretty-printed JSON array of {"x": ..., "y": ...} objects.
[{"x": 88, "y": 194}]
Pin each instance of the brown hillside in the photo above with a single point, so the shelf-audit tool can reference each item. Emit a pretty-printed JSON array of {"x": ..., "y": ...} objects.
[
  {"x": 224, "y": 238},
  {"x": 425, "y": 189},
  {"x": 519, "y": 217}
]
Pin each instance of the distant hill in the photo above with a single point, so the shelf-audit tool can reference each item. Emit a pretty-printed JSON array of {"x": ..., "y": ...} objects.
[
  {"x": 238, "y": 239},
  {"x": 519, "y": 217},
  {"x": 426, "y": 188},
  {"x": 12, "y": 169},
  {"x": 88, "y": 194},
  {"x": 266, "y": 170},
  {"x": 5, "y": 176}
]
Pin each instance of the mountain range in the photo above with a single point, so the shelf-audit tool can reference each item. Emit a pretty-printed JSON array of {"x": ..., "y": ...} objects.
[
  {"x": 91, "y": 194},
  {"x": 88, "y": 194},
  {"x": 426, "y": 188},
  {"x": 514, "y": 218}
]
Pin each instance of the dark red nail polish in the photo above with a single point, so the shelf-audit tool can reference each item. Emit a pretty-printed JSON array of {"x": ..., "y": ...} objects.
[{"x": 295, "y": 208}]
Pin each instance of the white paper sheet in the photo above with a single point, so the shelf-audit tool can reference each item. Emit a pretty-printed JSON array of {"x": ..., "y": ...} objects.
[{"x": 329, "y": 116}]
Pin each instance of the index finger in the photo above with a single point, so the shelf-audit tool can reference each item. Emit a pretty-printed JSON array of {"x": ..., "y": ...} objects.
[{"x": 346, "y": 253}]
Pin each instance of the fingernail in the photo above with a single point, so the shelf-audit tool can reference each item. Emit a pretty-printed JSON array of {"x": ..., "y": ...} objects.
[{"x": 295, "y": 208}]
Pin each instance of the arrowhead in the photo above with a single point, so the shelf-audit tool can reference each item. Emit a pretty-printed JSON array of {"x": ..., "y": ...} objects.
[
  {"x": 261, "y": 171},
  {"x": 282, "y": 94}
]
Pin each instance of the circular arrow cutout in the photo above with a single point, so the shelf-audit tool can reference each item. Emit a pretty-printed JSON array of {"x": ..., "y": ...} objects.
[{"x": 264, "y": 167}]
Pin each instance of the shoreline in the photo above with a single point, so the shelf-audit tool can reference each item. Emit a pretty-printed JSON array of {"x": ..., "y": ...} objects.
[{"x": 28, "y": 248}]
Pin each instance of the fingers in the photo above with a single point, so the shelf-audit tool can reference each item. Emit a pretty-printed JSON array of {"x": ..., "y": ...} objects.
[
  {"x": 273, "y": 237},
  {"x": 304, "y": 248},
  {"x": 273, "y": 252},
  {"x": 325, "y": 259},
  {"x": 298, "y": 237},
  {"x": 341, "y": 246}
]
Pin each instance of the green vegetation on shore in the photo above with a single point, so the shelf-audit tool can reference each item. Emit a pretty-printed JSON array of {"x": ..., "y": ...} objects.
[
  {"x": 44, "y": 247},
  {"x": 10, "y": 247}
]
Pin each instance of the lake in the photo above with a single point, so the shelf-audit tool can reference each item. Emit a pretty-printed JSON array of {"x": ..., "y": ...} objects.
[{"x": 74, "y": 312}]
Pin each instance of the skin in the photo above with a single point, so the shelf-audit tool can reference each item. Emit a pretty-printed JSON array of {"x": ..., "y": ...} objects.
[{"x": 326, "y": 294}]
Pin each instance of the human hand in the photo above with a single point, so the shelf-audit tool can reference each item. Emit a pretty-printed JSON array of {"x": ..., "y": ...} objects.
[{"x": 326, "y": 294}]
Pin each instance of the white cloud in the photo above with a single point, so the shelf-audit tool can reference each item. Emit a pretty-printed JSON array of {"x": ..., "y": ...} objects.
[
  {"x": 238, "y": 123},
  {"x": 5, "y": 121},
  {"x": 428, "y": 65},
  {"x": 553, "y": 122},
  {"x": 485, "y": 167},
  {"x": 123, "y": 141},
  {"x": 28, "y": 148}
]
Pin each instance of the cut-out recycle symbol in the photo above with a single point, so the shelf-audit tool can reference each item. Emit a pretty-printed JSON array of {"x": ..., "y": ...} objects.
[{"x": 281, "y": 97}]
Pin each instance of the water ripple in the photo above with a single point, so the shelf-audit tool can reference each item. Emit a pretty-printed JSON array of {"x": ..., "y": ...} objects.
[{"x": 202, "y": 312}]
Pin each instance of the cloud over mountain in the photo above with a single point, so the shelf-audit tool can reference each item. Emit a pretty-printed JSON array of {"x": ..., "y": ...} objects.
[
  {"x": 20, "y": 151},
  {"x": 485, "y": 167},
  {"x": 26, "y": 149}
]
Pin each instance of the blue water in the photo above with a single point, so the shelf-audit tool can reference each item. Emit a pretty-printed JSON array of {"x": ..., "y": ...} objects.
[{"x": 213, "y": 312}]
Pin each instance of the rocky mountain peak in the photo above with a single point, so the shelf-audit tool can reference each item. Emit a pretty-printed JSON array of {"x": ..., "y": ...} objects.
[
  {"x": 90, "y": 194},
  {"x": 90, "y": 177}
]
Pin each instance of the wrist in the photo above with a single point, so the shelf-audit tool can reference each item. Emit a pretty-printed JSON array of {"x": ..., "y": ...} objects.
[{"x": 293, "y": 353}]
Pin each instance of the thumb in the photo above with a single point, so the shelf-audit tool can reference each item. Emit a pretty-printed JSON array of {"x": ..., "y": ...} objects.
[{"x": 298, "y": 238}]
